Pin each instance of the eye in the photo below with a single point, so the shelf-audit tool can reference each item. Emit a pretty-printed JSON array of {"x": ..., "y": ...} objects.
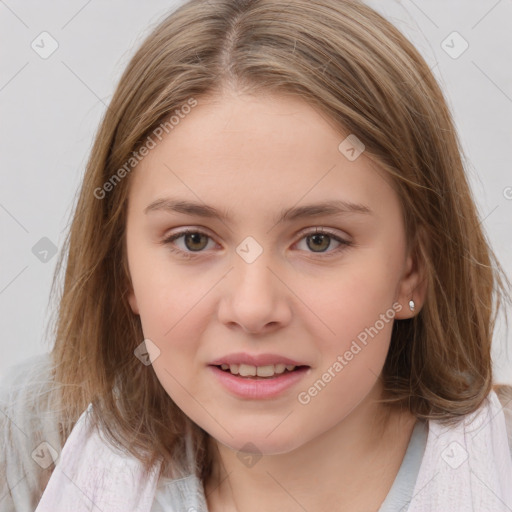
[
  {"x": 194, "y": 241},
  {"x": 321, "y": 239}
]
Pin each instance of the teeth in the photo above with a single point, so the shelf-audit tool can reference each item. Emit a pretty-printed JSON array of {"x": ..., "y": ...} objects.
[
  {"x": 279, "y": 368},
  {"x": 247, "y": 370},
  {"x": 265, "y": 371}
]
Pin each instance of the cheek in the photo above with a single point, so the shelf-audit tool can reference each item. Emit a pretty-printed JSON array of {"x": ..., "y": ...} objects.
[
  {"x": 174, "y": 326},
  {"x": 357, "y": 298},
  {"x": 163, "y": 293},
  {"x": 170, "y": 314},
  {"x": 171, "y": 317},
  {"x": 353, "y": 338},
  {"x": 353, "y": 348}
]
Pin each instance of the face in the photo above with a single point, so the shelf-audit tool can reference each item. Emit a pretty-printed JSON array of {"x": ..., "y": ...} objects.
[{"x": 261, "y": 281}]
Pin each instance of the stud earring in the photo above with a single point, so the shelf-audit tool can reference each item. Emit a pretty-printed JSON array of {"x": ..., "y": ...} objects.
[{"x": 411, "y": 305}]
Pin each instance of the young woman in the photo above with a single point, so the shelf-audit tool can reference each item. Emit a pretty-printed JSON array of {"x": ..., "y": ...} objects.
[{"x": 278, "y": 295}]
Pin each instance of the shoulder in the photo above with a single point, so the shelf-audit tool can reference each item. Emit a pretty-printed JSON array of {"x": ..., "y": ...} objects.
[
  {"x": 483, "y": 438},
  {"x": 29, "y": 432}
]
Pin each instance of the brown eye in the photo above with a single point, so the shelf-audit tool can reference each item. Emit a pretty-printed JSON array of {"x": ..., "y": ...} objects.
[
  {"x": 190, "y": 242},
  {"x": 319, "y": 241},
  {"x": 195, "y": 241}
]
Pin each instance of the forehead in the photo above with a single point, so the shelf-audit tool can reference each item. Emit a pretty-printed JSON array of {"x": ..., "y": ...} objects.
[{"x": 244, "y": 151}]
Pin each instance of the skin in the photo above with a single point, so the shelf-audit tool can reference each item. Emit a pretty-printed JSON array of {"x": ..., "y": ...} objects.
[{"x": 250, "y": 157}]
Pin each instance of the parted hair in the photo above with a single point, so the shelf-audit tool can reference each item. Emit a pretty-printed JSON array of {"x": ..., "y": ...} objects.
[{"x": 357, "y": 69}]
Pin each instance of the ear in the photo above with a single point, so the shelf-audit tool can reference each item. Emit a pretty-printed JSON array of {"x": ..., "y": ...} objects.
[
  {"x": 132, "y": 300},
  {"x": 413, "y": 284}
]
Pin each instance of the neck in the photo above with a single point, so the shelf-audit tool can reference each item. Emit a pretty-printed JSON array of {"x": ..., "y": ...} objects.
[{"x": 352, "y": 466}]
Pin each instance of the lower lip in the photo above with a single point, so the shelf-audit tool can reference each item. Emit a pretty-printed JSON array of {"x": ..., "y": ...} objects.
[{"x": 245, "y": 387}]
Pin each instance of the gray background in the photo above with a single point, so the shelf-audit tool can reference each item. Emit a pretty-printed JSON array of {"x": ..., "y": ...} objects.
[{"x": 50, "y": 110}]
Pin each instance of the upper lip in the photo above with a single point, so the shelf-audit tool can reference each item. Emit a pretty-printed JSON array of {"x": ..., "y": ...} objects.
[{"x": 255, "y": 360}]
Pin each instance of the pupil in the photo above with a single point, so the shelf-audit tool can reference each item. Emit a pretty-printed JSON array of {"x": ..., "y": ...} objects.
[
  {"x": 320, "y": 238},
  {"x": 195, "y": 237}
]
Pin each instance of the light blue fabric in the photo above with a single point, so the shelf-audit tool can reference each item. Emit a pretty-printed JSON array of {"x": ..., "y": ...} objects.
[
  {"x": 400, "y": 494},
  {"x": 187, "y": 494}
]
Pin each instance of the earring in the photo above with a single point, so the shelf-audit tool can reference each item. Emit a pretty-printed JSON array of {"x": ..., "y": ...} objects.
[{"x": 411, "y": 305}]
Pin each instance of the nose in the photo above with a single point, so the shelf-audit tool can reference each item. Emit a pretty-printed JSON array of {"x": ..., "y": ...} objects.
[{"x": 255, "y": 297}]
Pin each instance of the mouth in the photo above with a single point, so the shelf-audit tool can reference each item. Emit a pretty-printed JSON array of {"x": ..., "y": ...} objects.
[{"x": 265, "y": 372}]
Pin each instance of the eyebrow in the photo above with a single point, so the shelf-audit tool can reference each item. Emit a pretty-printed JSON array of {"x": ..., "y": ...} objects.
[{"x": 334, "y": 207}]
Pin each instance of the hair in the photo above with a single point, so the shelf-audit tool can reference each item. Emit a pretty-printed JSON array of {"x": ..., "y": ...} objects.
[{"x": 357, "y": 69}]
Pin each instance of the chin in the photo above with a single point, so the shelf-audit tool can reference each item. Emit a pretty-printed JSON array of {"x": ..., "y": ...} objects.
[{"x": 259, "y": 443}]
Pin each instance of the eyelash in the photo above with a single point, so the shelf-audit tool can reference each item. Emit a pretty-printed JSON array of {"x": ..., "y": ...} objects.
[{"x": 193, "y": 254}]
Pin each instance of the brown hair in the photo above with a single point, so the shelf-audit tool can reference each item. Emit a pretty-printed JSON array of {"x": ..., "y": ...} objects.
[{"x": 356, "y": 68}]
